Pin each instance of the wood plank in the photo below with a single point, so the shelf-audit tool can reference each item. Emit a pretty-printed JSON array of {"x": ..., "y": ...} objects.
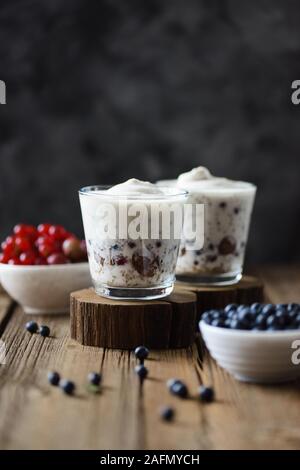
[{"x": 34, "y": 415}]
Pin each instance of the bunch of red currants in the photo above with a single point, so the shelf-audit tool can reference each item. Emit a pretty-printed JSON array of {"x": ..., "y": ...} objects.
[{"x": 45, "y": 244}]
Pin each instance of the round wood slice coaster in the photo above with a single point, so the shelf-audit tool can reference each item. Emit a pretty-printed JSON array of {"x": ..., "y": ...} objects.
[
  {"x": 249, "y": 290},
  {"x": 157, "y": 324}
]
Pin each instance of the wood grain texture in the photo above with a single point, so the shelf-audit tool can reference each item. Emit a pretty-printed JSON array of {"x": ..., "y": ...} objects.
[
  {"x": 34, "y": 415},
  {"x": 158, "y": 324},
  {"x": 250, "y": 289}
]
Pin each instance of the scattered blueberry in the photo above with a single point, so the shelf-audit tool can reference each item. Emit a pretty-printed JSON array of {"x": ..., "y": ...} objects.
[
  {"x": 53, "y": 378},
  {"x": 179, "y": 389},
  {"x": 67, "y": 386},
  {"x": 206, "y": 394},
  {"x": 141, "y": 371},
  {"x": 31, "y": 326},
  {"x": 258, "y": 317},
  {"x": 172, "y": 382},
  {"x": 167, "y": 413},
  {"x": 141, "y": 353},
  {"x": 44, "y": 330},
  {"x": 94, "y": 378}
]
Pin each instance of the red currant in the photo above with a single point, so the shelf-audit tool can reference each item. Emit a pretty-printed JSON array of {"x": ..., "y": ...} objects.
[
  {"x": 22, "y": 244},
  {"x": 14, "y": 260},
  {"x": 58, "y": 232},
  {"x": 46, "y": 249},
  {"x": 27, "y": 258},
  {"x": 57, "y": 258},
  {"x": 4, "y": 258},
  {"x": 8, "y": 246},
  {"x": 43, "y": 229},
  {"x": 40, "y": 261},
  {"x": 26, "y": 230}
]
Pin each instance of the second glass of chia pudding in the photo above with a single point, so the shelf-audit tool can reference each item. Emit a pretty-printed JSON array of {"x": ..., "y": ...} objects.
[
  {"x": 228, "y": 207},
  {"x": 132, "y": 243}
]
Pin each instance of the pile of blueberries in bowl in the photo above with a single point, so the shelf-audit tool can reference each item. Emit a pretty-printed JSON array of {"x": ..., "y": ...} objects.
[
  {"x": 256, "y": 343},
  {"x": 257, "y": 317}
]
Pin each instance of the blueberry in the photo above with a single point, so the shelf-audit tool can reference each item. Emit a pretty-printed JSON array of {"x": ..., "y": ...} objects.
[
  {"x": 141, "y": 353},
  {"x": 237, "y": 324},
  {"x": 167, "y": 413},
  {"x": 274, "y": 323},
  {"x": 206, "y": 317},
  {"x": 281, "y": 306},
  {"x": 227, "y": 323},
  {"x": 230, "y": 308},
  {"x": 241, "y": 307},
  {"x": 216, "y": 314},
  {"x": 172, "y": 382},
  {"x": 179, "y": 389},
  {"x": 44, "y": 330},
  {"x": 293, "y": 313},
  {"x": 53, "y": 378},
  {"x": 31, "y": 326},
  {"x": 255, "y": 308},
  {"x": 232, "y": 314},
  {"x": 245, "y": 315},
  {"x": 218, "y": 322},
  {"x": 260, "y": 322},
  {"x": 292, "y": 307},
  {"x": 268, "y": 309},
  {"x": 67, "y": 386},
  {"x": 141, "y": 371},
  {"x": 282, "y": 318},
  {"x": 94, "y": 378},
  {"x": 206, "y": 394}
]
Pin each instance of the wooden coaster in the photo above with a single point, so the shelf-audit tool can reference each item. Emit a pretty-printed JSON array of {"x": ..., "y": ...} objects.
[
  {"x": 249, "y": 290},
  {"x": 157, "y": 324}
]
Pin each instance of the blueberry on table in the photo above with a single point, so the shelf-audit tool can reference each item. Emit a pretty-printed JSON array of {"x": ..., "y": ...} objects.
[
  {"x": 179, "y": 389},
  {"x": 206, "y": 394},
  {"x": 31, "y": 326},
  {"x": 53, "y": 378},
  {"x": 44, "y": 330},
  {"x": 167, "y": 413},
  {"x": 67, "y": 386},
  {"x": 172, "y": 382},
  {"x": 94, "y": 378},
  {"x": 141, "y": 353},
  {"x": 141, "y": 371}
]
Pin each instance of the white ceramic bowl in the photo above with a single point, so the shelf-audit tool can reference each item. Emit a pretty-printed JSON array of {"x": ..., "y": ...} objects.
[
  {"x": 44, "y": 289},
  {"x": 254, "y": 356}
]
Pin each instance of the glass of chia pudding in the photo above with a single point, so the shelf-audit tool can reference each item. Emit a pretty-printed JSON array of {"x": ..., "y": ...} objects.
[
  {"x": 227, "y": 213},
  {"x": 132, "y": 243}
]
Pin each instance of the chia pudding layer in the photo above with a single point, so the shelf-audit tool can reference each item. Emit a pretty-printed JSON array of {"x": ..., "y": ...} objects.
[
  {"x": 129, "y": 266},
  {"x": 227, "y": 213}
]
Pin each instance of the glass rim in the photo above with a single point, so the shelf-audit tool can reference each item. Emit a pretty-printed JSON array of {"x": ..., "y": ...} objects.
[{"x": 101, "y": 191}]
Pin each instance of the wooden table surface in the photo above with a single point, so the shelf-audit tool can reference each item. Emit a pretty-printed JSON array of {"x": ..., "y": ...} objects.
[{"x": 34, "y": 415}]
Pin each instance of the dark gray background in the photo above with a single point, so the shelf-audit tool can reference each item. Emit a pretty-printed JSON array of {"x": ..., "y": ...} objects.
[{"x": 99, "y": 91}]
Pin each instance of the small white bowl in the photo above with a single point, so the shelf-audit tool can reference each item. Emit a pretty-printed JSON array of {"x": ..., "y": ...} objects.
[
  {"x": 44, "y": 289},
  {"x": 253, "y": 356}
]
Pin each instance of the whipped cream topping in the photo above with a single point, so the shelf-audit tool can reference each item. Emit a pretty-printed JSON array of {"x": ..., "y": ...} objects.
[
  {"x": 200, "y": 178},
  {"x": 196, "y": 174},
  {"x": 135, "y": 187}
]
